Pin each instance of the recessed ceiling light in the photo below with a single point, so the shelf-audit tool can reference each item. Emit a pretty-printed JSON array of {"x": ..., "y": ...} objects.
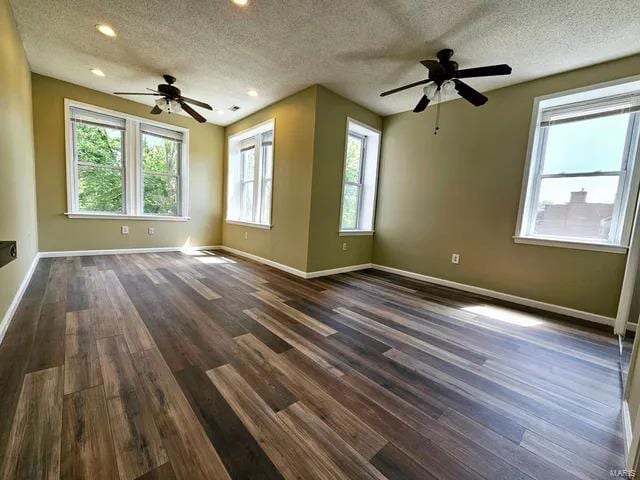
[
  {"x": 220, "y": 112},
  {"x": 252, "y": 93},
  {"x": 242, "y": 3},
  {"x": 97, "y": 72},
  {"x": 105, "y": 29}
]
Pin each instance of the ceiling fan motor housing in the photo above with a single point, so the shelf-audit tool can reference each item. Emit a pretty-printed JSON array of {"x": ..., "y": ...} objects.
[{"x": 169, "y": 90}]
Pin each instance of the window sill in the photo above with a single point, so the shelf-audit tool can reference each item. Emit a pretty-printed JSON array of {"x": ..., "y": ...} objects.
[
  {"x": 350, "y": 233},
  {"x": 115, "y": 216},
  {"x": 250, "y": 224},
  {"x": 549, "y": 242}
]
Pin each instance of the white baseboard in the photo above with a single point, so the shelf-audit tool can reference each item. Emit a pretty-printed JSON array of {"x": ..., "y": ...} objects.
[
  {"x": 295, "y": 271},
  {"x": 13, "y": 306},
  {"x": 335, "y": 271},
  {"x": 266, "y": 261},
  {"x": 549, "y": 307},
  {"x": 627, "y": 430},
  {"x": 119, "y": 251}
]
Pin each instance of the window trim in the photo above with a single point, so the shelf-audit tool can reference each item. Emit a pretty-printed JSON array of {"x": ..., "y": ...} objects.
[
  {"x": 631, "y": 164},
  {"x": 360, "y": 231},
  {"x": 252, "y": 132},
  {"x": 132, "y": 168}
]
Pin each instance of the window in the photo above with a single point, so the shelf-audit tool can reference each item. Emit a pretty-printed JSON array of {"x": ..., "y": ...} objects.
[
  {"x": 582, "y": 181},
  {"x": 360, "y": 178},
  {"x": 98, "y": 142},
  {"x": 161, "y": 154},
  {"x": 249, "y": 176},
  {"x": 125, "y": 166}
]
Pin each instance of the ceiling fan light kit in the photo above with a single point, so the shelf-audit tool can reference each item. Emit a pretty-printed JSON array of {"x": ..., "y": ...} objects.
[
  {"x": 171, "y": 100},
  {"x": 444, "y": 76},
  {"x": 168, "y": 106}
]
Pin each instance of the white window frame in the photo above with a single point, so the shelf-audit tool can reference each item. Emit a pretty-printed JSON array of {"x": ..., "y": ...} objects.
[
  {"x": 132, "y": 165},
  {"x": 629, "y": 173},
  {"x": 369, "y": 165},
  {"x": 252, "y": 138}
]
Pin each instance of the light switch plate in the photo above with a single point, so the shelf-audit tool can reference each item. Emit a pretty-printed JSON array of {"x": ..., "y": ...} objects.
[{"x": 125, "y": 230}]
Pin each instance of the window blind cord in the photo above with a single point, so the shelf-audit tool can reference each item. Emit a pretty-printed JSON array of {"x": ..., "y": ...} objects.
[{"x": 437, "y": 126}]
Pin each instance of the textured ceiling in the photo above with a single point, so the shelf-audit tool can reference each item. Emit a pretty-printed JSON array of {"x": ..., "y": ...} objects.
[{"x": 357, "y": 48}]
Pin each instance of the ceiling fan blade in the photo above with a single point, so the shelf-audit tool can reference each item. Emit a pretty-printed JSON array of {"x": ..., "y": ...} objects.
[
  {"x": 399, "y": 89},
  {"x": 422, "y": 104},
  {"x": 196, "y": 102},
  {"x": 488, "y": 71},
  {"x": 192, "y": 112},
  {"x": 434, "y": 67},
  {"x": 470, "y": 94},
  {"x": 156, "y": 110},
  {"x": 134, "y": 93}
]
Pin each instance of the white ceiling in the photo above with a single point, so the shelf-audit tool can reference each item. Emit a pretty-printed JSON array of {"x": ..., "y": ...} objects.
[{"x": 357, "y": 48}]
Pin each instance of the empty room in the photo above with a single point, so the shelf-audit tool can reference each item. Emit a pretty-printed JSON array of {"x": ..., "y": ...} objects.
[{"x": 319, "y": 239}]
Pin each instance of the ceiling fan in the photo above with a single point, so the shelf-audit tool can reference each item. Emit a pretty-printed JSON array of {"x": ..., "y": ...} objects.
[
  {"x": 444, "y": 75},
  {"x": 171, "y": 100}
]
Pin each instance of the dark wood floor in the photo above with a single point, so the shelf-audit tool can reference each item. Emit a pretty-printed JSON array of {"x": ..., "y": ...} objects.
[{"x": 209, "y": 366}]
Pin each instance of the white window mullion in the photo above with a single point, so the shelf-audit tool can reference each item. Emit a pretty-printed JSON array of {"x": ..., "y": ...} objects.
[
  {"x": 184, "y": 176},
  {"x": 72, "y": 196},
  {"x": 257, "y": 178},
  {"x": 132, "y": 165}
]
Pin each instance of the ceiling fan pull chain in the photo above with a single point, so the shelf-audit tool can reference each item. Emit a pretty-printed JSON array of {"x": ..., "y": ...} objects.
[{"x": 435, "y": 131}]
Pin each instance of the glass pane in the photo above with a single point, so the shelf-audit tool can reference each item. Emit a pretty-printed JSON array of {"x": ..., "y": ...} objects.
[
  {"x": 587, "y": 145},
  {"x": 160, "y": 195},
  {"x": 353, "y": 160},
  {"x": 267, "y": 158},
  {"x": 350, "y": 207},
  {"x": 247, "y": 201},
  {"x": 248, "y": 164},
  {"x": 160, "y": 155},
  {"x": 100, "y": 189},
  {"x": 99, "y": 145},
  {"x": 266, "y": 203},
  {"x": 576, "y": 207}
]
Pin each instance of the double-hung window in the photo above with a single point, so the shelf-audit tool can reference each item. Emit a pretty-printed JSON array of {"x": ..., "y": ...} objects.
[
  {"x": 249, "y": 176},
  {"x": 360, "y": 178},
  {"x": 161, "y": 169},
  {"x": 582, "y": 183},
  {"x": 99, "y": 158},
  {"x": 121, "y": 165}
]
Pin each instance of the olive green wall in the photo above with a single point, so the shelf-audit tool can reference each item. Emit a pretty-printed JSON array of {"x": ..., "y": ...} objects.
[
  {"x": 325, "y": 245},
  {"x": 459, "y": 192},
  {"x": 287, "y": 242},
  {"x": 310, "y": 134},
  {"x": 17, "y": 171},
  {"x": 57, "y": 232}
]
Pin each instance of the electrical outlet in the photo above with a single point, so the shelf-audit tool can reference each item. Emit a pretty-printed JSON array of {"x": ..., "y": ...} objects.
[
  {"x": 246, "y": 235},
  {"x": 344, "y": 246},
  {"x": 125, "y": 230},
  {"x": 455, "y": 258},
  {"x": 152, "y": 231}
]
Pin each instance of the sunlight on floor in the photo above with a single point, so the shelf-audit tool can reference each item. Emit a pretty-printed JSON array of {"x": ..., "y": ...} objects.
[
  {"x": 212, "y": 260},
  {"x": 193, "y": 253},
  {"x": 504, "y": 315}
]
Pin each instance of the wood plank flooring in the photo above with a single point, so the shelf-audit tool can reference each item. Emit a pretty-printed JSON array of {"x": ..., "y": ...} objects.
[{"x": 208, "y": 366}]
